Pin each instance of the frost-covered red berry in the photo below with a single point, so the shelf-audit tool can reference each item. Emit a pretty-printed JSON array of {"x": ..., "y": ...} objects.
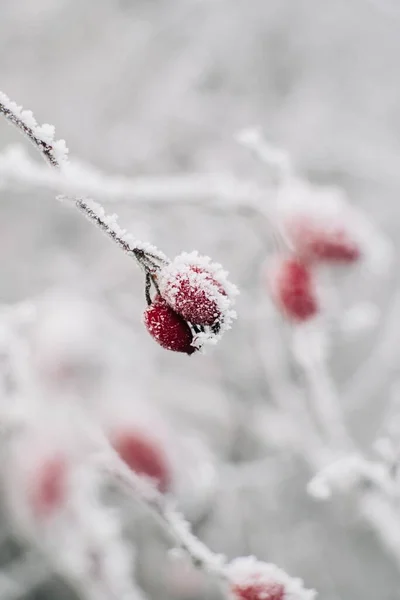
[
  {"x": 48, "y": 486},
  {"x": 293, "y": 289},
  {"x": 168, "y": 328},
  {"x": 250, "y": 579},
  {"x": 259, "y": 591},
  {"x": 144, "y": 456},
  {"x": 196, "y": 289},
  {"x": 319, "y": 240}
]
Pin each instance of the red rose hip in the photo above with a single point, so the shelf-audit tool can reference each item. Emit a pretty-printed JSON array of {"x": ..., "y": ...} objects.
[
  {"x": 194, "y": 293},
  {"x": 293, "y": 289},
  {"x": 168, "y": 328},
  {"x": 258, "y": 591},
  {"x": 322, "y": 241},
  {"x": 48, "y": 489},
  {"x": 143, "y": 456}
]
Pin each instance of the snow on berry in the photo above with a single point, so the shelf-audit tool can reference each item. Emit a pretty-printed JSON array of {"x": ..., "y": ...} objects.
[
  {"x": 322, "y": 240},
  {"x": 197, "y": 289},
  {"x": 250, "y": 579},
  {"x": 168, "y": 328},
  {"x": 144, "y": 456},
  {"x": 48, "y": 486},
  {"x": 293, "y": 289}
]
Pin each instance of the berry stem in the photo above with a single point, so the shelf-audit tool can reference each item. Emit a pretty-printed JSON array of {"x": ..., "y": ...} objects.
[
  {"x": 147, "y": 256},
  {"x": 147, "y": 289}
]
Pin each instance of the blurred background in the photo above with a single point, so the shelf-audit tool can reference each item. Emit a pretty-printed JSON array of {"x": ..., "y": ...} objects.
[{"x": 156, "y": 90}]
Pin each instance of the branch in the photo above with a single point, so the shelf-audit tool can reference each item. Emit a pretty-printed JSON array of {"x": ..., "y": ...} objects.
[
  {"x": 78, "y": 178},
  {"x": 55, "y": 154},
  {"x": 42, "y": 137},
  {"x": 175, "y": 525},
  {"x": 148, "y": 256}
]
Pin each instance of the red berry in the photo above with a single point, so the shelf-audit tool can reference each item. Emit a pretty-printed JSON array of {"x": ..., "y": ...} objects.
[
  {"x": 48, "y": 489},
  {"x": 143, "y": 456},
  {"x": 330, "y": 243},
  {"x": 194, "y": 293},
  {"x": 168, "y": 328},
  {"x": 259, "y": 591},
  {"x": 293, "y": 289}
]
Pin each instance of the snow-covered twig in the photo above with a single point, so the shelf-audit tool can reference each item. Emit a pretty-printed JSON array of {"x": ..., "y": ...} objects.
[
  {"x": 42, "y": 137},
  {"x": 277, "y": 160},
  {"x": 55, "y": 153},
  {"x": 146, "y": 255},
  {"x": 200, "y": 555}
]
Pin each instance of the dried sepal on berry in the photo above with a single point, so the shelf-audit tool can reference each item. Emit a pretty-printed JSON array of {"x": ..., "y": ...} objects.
[
  {"x": 250, "y": 579},
  {"x": 168, "y": 328},
  {"x": 143, "y": 455},
  {"x": 200, "y": 292},
  {"x": 293, "y": 288}
]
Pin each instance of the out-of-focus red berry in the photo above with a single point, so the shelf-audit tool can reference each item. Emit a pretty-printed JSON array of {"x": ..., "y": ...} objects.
[
  {"x": 319, "y": 241},
  {"x": 48, "y": 488},
  {"x": 144, "y": 456},
  {"x": 293, "y": 289},
  {"x": 168, "y": 328}
]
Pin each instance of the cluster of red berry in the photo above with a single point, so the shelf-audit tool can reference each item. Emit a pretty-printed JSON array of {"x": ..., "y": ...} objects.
[
  {"x": 292, "y": 278},
  {"x": 192, "y": 305}
]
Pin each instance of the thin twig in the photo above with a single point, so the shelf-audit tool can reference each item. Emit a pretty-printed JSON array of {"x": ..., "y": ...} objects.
[{"x": 201, "y": 556}]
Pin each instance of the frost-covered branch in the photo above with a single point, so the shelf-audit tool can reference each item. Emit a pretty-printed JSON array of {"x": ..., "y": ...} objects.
[
  {"x": 200, "y": 298},
  {"x": 174, "y": 523},
  {"x": 148, "y": 256},
  {"x": 41, "y": 136},
  {"x": 17, "y": 168},
  {"x": 239, "y": 576}
]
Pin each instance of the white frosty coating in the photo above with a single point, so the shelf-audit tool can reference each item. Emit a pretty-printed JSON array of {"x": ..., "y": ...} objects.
[
  {"x": 79, "y": 178},
  {"x": 109, "y": 224},
  {"x": 346, "y": 473},
  {"x": 55, "y": 152},
  {"x": 248, "y": 571},
  {"x": 269, "y": 154},
  {"x": 169, "y": 281}
]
